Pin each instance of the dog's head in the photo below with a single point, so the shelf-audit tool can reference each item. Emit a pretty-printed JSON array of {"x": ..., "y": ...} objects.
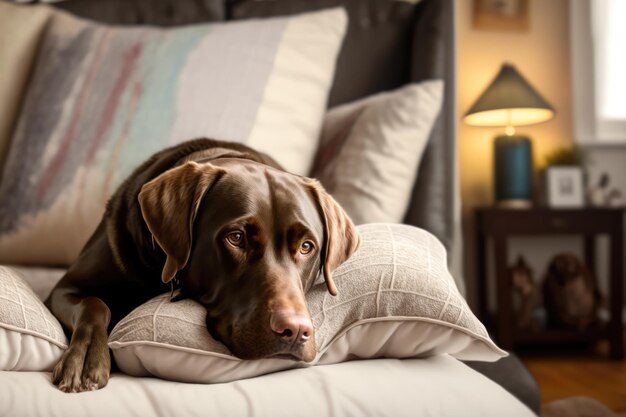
[{"x": 247, "y": 241}]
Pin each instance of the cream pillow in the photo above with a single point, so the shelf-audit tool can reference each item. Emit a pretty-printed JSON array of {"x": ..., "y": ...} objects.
[
  {"x": 370, "y": 150},
  {"x": 31, "y": 338},
  {"x": 396, "y": 299}
]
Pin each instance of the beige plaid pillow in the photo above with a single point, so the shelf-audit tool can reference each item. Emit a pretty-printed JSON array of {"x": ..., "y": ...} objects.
[
  {"x": 396, "y": 300},
  {"x": 31, "y": 338}
]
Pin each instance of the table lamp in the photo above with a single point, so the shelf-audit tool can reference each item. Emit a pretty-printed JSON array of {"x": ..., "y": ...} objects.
[{"x": 511, "y": 101}]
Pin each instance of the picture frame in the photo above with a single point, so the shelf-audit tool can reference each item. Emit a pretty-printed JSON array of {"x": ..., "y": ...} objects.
[
  {"x": 506, "y": 15},
  {"x": 564, "y": 187}
]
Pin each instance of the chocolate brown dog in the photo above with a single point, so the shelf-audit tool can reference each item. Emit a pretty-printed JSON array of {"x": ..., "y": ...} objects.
[{"x": 242, "y": 237}]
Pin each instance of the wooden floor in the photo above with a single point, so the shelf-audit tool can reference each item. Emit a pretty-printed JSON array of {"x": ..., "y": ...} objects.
[{"x": 581, "y": 375}]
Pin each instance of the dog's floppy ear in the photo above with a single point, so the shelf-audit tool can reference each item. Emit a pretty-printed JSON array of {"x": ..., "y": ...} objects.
[
  {"x": 169, "y": 204},
  {"x": 341, "y": 238}
]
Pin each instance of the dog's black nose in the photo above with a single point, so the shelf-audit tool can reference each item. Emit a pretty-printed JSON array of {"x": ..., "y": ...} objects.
[{"x": 291, "y": 327}]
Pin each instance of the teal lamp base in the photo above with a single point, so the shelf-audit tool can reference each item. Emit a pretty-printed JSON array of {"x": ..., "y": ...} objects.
[{"x": 513, "y": 171}]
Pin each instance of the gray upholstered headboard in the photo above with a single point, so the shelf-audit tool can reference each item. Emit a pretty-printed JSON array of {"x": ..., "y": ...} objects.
[{"x": 389, "y": 43}]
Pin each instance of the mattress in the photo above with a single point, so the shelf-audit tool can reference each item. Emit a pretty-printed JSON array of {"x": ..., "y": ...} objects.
[{"x": 435, "y": 386}]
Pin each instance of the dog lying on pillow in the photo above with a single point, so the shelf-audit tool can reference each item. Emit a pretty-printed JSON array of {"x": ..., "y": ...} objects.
[{"x": 235, "y": 232}]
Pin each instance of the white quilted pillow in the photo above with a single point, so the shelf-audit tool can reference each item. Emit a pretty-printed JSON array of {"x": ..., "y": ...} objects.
[
  {"x": 31, "y": 338},
  {"x": 396, "y": 299}
]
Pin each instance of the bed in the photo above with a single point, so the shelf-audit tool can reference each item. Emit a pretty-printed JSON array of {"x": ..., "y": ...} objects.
[{"x": 388, "y": 44}]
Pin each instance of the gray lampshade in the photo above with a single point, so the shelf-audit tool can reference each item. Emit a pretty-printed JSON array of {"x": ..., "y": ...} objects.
[{"x": 509, "y": 100}]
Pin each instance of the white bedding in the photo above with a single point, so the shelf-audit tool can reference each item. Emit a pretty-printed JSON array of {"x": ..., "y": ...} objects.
[{"x": 436, "y": 386}]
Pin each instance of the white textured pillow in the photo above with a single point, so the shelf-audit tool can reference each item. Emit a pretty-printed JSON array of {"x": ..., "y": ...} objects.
[
  {"x": 120, "y": 94},
  {"x": 370, "y": 150},
  {"x": 31, "y": 338},
  {"x": 396, "y": 299}
]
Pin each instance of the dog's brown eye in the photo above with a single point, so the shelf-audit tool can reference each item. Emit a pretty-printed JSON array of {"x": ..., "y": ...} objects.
[
  {"x": 235, "y": 238},
  {"x": 306, "y": 247}
]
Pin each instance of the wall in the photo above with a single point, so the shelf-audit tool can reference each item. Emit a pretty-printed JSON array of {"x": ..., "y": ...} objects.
[{"x": 542, "y": 56}]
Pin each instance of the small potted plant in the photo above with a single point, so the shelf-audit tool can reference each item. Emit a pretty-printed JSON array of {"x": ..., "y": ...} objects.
[{"x": 564, "y": 177}]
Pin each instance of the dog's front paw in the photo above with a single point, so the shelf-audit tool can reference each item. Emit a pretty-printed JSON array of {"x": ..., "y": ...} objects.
[
  {"x": 85, "y": 365},
  {"x": 96, "y": 369},
  {"x": 67, "y": 372}
]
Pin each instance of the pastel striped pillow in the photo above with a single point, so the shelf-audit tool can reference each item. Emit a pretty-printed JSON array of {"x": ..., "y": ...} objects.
[{"x": 104, "y": 98}]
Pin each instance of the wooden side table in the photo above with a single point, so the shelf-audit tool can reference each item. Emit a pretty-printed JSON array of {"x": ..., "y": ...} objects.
[{"x": 500, "y": 224}]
